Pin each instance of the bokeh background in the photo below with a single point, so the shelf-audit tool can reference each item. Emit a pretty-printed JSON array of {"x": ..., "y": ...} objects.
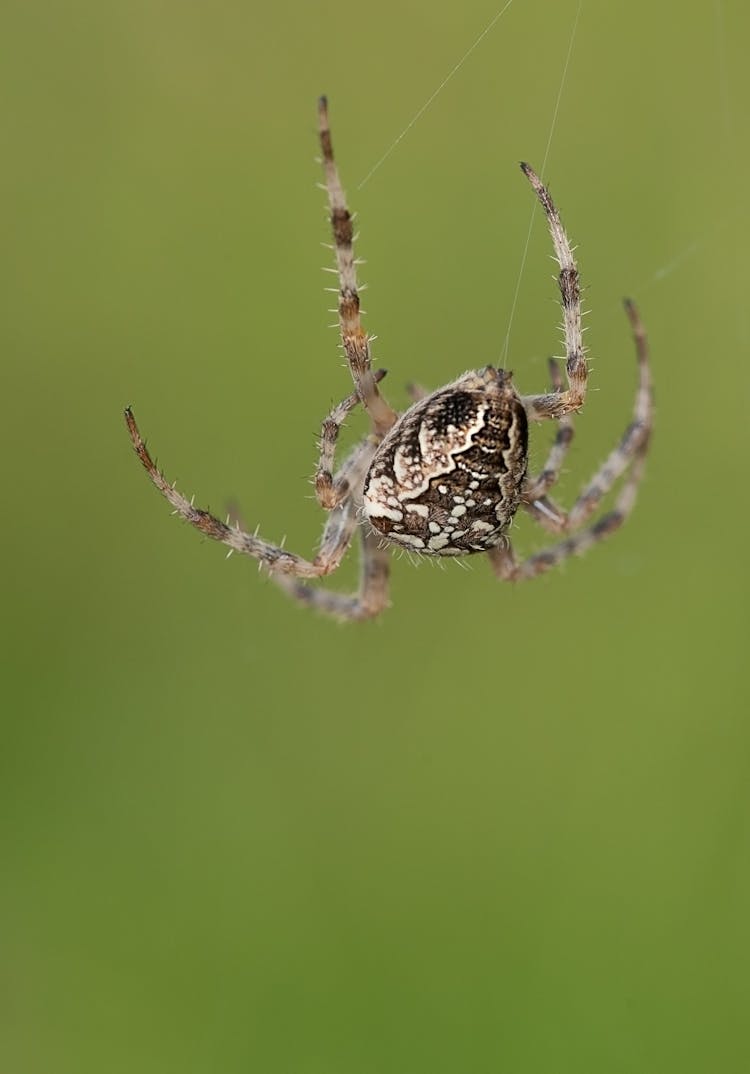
[{"x": 500, "y": 829}]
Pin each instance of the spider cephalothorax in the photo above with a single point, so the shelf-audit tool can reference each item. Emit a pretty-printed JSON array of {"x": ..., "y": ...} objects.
[{"x": 448, "y": 475}]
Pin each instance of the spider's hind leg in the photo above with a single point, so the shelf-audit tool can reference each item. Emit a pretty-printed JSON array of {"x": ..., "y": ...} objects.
[
  {"x": 504, "y": 563},
  {"x": 628, "y": 457},
  {"x": 634, "y": 441},
  {"x": 535, "y": 489}
]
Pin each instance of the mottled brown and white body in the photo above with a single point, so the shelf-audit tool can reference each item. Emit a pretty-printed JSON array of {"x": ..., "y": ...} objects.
[{"x": 446, "y": 477}]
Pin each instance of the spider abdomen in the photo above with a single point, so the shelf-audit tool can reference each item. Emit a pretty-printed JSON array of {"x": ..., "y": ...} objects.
[{"x": 446, "y": 479}]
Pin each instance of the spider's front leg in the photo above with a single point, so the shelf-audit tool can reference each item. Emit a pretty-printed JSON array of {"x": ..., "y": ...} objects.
[
  {"x": 330, "y": 489},
  {"x": 355, "y": 340},
  {"x": 250, "y": 544},
  {"x": 556, "y": 404}
]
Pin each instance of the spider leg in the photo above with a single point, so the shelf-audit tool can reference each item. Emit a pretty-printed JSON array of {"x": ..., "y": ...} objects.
[
  {"x": 371, "y": 597},
  {"x": 355, "y": 340},
  {"x": 535, "y": 488},
  {"x": 416, "y": 392},
  {"x": 504, "y": 563},
  {"x": 547, "y": 513},
  {"x": 274, "y": 557},
  {"x": 633, "y": 441},
  {"x": 332, "y": 490},
  {"x": 349, "y": 478},
  {"x": 556, "y": 404}
]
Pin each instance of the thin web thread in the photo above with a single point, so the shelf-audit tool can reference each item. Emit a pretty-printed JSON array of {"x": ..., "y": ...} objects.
[
  {"x": 429, "y": 100},
  {"x": 553, "y": 124},
  {"x": 690, "y": 250}
]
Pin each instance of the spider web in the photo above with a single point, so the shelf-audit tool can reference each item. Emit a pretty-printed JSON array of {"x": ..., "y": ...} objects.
[
  {"x": 421, "y": 111},
  {"x": 553, "y": 124},
  {"x": 673, "y": 261}
]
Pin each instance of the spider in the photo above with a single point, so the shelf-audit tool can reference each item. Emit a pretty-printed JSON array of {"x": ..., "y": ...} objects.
[{"x": 447, "y": 476}]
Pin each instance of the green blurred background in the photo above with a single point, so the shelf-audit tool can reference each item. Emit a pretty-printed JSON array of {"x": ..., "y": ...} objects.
[{"x": 500, "y": 829}]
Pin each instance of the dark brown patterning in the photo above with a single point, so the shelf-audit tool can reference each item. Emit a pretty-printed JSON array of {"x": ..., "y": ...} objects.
[{"x": 447, "y": 479}]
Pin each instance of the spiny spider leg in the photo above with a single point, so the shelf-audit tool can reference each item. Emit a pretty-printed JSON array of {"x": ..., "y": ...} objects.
[
  {"x": 371, "y": 597},
  {"x": 504, "y": 563},
  {"x": 332, "y": 490},
  {"x": 556, "y": 404},
  {"x": 617, "y": 462},
  {"x": 448, "y": 476},
  {"x": 536, "y": 487},
  {"x": 355, "y": 340},
  {"x": 631, "y": 452},
  {"x": 343, "y": 520},
  {"x": 274, "y": 557},
  {"x": 633, "y": 439}
]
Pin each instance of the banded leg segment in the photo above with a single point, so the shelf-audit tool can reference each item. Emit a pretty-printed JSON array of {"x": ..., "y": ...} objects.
[
  {"x": 249, "y": 544},
  {"x": 633, "y": 442},
  {"x": 371, "y": 597},
  {"x": 354, "y": 338},
  {"x": 556, "y": 404},
  {"x": 507, "y": 569},
  {"x": 342, "y": 521},
  {"x": 629, "y": 457},
  {"x": 537, "y": 487},
  {"x": 332, "y": 490},
  {"x": 535, "y": 500}
]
